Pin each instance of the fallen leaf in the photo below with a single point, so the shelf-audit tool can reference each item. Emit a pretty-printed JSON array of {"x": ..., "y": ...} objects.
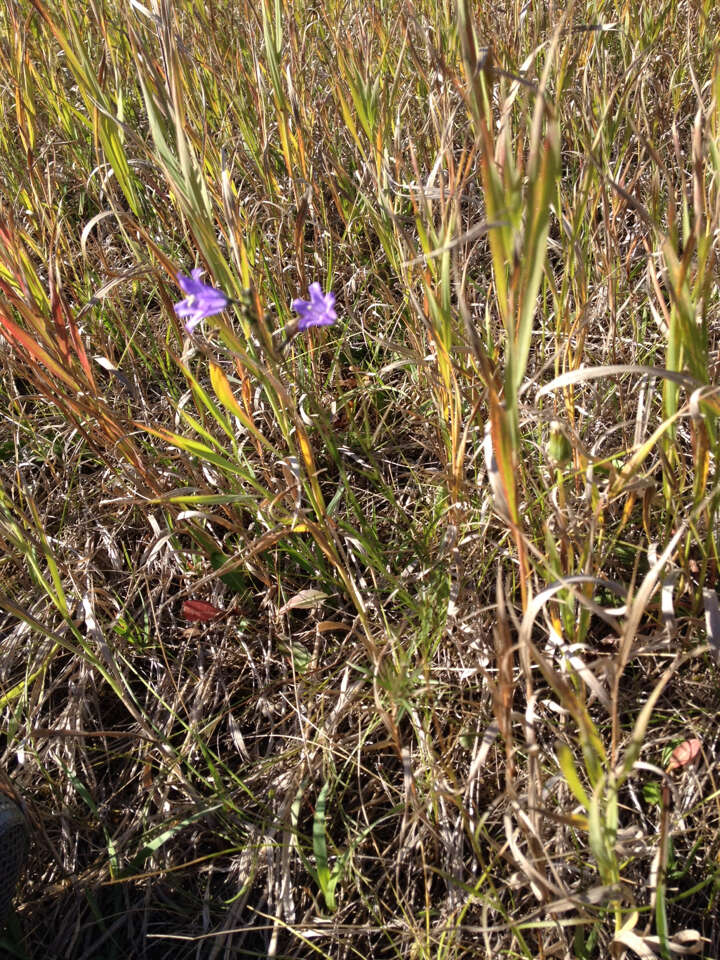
[
  {"x": 326, "y": 626},
  {"x": 200, "y": 611},
  {"x": 303, "y": 601}
]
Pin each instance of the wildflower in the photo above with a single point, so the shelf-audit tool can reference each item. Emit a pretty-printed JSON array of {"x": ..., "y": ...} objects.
[
  {"x": 201, "y": 301},
  {"x": 318, "y": 311}
]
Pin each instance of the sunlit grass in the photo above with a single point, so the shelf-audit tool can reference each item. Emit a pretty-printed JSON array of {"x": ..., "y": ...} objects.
[{"x": 373, "y": 639}]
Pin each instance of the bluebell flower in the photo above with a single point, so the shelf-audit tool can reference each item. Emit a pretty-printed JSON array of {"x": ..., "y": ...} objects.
[
  {"x": 318, "y": 311},
  {"x": 201, "y": 301}
]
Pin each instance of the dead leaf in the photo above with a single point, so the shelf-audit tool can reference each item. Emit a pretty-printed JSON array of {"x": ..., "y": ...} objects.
[
  {"x": 303, "y": 601},
  {"x": 200, "y": 611},
  {"x": 327, "y": 626}
]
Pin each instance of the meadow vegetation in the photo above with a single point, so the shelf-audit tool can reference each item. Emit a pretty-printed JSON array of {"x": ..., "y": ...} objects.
[{"x": 396, "y": 638}]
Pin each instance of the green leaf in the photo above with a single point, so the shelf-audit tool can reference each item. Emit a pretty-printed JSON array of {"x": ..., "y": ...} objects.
[
  {"x": 567, "y": 765},
  {"x": 652, "y": 793},
  {"x": 152, "y": 846},
  {"x": 326, "y": 882},
  {"x": 233, "y": 578}
]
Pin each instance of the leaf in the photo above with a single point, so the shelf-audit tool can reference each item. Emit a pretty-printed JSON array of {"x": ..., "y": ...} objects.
[
  {"x": 567, "y": 765},
  {"x": 630, "y": 940},
  {"x": 66, "y": 329},
  {"x": 327, "y": 626},
  {"x": 712, "y": 621},
  {"x": 301, "y": 659},
  {"x": 199, "y": 611},
  {"x": 652, "y": 793},
  {"x": 233, "y": 578},
  {"x": 303, "y": 601},
  {"x": 193, "y": 447},
  {"x": 684, "y": 943},
  {"x": 499, "y": 461},
  {"x": 684, "y": 754},
  {"x": 327, "y": 880},
  {"x": 223, "y": 391},
  {"x": 19, "y": 338},
  {"x": 612, "y": 370},
  {"x": 152, "y": 846}
]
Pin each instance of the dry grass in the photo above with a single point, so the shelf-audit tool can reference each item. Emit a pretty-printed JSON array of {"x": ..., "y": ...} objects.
[{"x": 464, "y": 542}]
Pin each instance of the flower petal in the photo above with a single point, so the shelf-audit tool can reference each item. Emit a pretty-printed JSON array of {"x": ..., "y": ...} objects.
[
  {"x": 202, "y": 300},
  {"x": 318, "y": 311}
]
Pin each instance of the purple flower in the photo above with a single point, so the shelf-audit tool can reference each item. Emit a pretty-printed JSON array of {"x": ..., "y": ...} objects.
[
  {"x": 318, "y": 311},
  {"x": 201, "y": 301}
]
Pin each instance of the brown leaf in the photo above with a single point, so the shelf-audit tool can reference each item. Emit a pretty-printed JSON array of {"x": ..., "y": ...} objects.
[
  {"x": 199, "y": 610},
  {"x": 684, "y": 754},
  {"x": 327, "y": 626}
]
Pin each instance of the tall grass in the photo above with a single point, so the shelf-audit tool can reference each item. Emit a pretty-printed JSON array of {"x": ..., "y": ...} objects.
[{"x": 375, "y": 640}]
